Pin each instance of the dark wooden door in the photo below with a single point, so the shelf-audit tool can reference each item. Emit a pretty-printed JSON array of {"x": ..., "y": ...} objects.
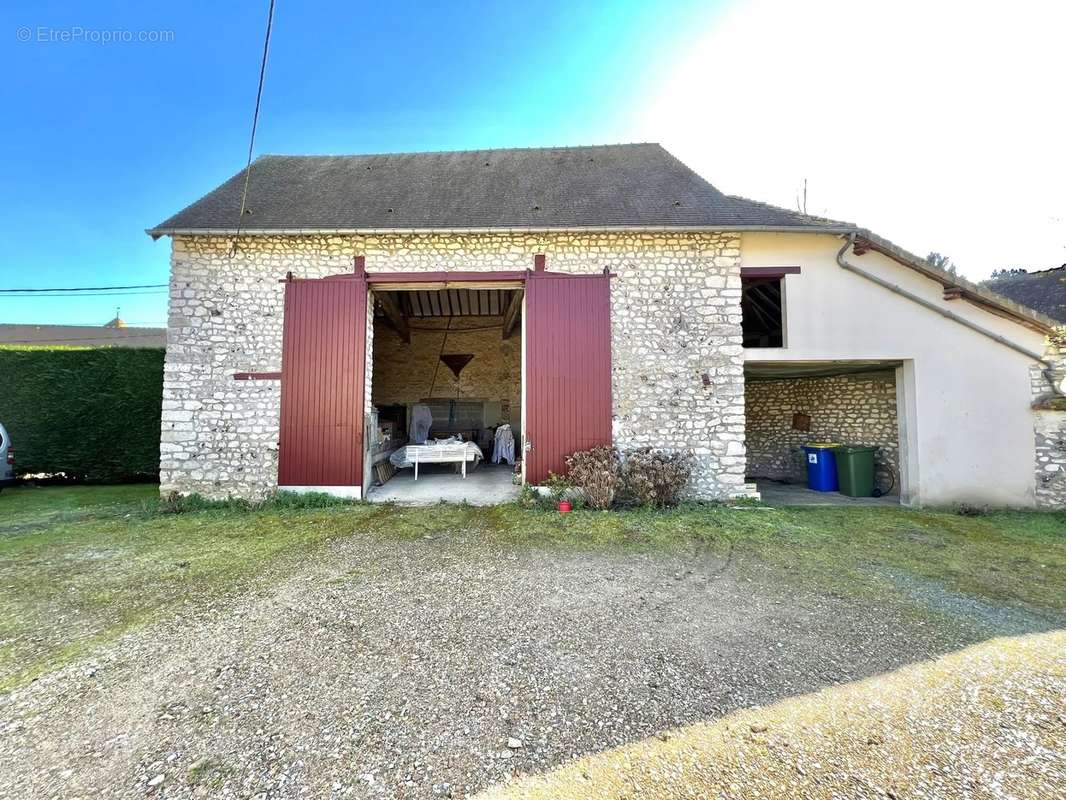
[
  {"x": 323, "y": 366},
  {"x": 568, "y": 369}
]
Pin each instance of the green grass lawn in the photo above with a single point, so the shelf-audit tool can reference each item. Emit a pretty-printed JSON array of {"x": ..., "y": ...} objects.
[{"x": 79, "y": 566}]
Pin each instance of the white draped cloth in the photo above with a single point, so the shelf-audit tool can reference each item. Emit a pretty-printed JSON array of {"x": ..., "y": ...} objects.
[
  {"x": 503, "y": 446},
  {"x": 421, "y": 420}
]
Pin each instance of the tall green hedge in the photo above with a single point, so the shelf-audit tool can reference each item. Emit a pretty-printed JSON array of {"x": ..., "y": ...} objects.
[{"x": 89, "y": 413}]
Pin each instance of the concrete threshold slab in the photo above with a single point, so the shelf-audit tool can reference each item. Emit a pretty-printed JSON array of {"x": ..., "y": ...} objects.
[
  {"x": 775, "y": 493},
  {"x": 488, "y": 485}
]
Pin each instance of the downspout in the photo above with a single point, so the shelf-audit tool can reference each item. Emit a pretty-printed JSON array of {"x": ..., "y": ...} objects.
[{"x": 1049, "y": 368}]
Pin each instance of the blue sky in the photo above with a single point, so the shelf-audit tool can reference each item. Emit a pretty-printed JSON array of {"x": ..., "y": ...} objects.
[
  {"x": 103, "y": 140},
  {"x": 928, "y": 121}
]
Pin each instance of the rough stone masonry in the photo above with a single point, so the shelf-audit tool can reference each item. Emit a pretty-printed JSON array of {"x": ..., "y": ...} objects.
[
  {"x": 856, "y": 409},
  {"x": 677, "y": 361},
  {"x": 1049, "y": 426}
]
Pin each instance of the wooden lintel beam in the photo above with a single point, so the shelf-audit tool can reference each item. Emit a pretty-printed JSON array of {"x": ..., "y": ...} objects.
[
  {"x": 513, "y": 310},
  {"x": 395, "y": 315},
  {"x": 768, "y": 272}
]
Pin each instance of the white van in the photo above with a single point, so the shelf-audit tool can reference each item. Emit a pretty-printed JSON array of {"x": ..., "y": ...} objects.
[{"x": 7, "y": 459}]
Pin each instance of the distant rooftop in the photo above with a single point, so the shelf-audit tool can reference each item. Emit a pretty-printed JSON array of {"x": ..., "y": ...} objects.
[
  {"x": 1044, "y": 291},
  {"x": 83, "y": 335}
]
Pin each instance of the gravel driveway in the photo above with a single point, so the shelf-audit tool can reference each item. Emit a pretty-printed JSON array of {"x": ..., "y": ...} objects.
[{"x": 437, "y": 667}]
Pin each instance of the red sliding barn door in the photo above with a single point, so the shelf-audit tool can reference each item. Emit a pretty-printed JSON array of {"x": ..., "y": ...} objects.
[
  {"x": 568, "y": 369},
  {"x": 323, "y": 365}
]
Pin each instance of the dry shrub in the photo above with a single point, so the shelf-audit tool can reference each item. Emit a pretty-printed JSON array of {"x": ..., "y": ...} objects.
[
  {"x": 597, "y": 472},
  {"x": 657, "y": 478}
]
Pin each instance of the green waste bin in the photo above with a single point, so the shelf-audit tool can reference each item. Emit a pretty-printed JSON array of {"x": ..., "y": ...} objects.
[{"x": 855, "y": 470}]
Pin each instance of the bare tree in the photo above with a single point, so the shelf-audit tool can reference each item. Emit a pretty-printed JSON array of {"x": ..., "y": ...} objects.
[{"x": 941, "y": 262}]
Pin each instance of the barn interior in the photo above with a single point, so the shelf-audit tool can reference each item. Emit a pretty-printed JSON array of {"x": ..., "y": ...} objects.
[{"x": 456, "y": 355}]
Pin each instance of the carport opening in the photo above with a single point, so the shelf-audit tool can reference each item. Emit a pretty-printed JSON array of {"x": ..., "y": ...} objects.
[
  {"x": 452, "y": 356},
  {"x": 788, "y": 406}
]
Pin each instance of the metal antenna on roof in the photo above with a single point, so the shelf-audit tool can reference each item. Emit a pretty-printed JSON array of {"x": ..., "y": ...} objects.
[{"x": 255, "y": 123}]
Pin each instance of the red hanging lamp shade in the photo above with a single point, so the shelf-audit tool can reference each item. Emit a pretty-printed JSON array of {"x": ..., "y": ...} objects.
[{"x": 456, "y": 361}]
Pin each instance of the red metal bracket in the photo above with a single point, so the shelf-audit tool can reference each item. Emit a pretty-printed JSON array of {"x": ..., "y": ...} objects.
[{"x": 768, "y": 272}]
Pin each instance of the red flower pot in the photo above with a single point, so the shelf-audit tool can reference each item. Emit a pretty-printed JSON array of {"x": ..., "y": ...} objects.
[{"x": 565, "y": 506}]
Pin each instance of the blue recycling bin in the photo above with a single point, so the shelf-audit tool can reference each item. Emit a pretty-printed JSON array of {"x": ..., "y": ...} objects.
[{"x": 822, "y": 466}]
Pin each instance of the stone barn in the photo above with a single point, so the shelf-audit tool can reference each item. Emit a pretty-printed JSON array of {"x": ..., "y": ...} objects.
[{"x": 565, "y": 298}]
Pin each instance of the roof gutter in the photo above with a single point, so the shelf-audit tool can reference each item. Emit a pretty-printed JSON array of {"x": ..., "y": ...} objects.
[
  {"x": 1049, "y": 367},
  {"x": 155, "y": 233},
  {"x": 972, "y": 293},
  {"x": 978, "y": 295}
]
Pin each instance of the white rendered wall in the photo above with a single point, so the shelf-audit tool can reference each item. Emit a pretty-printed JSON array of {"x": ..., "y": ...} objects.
[{"x": 969, "y": 432}]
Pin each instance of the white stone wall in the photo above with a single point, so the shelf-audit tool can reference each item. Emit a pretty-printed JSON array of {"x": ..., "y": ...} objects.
[
  {"x": 855, "y": 409},
  {"x": 677, "y": 357},
  {"x": 1049, "y": 427}
]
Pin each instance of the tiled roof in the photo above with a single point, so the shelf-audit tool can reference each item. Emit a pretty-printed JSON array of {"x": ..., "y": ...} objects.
[
  {"x": 609, "y": 186},
  {"x": 82, "y": 335},
  {"x": 604, "y": 187}
]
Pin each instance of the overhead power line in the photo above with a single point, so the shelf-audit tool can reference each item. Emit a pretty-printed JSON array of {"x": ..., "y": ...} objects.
[
  {"x": 255, "y": 124},
  {"x": 40, "y": 295},
  {"x": 90, "y": 288}
]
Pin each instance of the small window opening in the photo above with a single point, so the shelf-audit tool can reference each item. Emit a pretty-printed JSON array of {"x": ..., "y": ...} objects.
[{"x": 762, "y": 309}]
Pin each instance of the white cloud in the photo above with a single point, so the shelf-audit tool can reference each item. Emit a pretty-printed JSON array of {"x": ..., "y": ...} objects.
[{"x": 939, "y": 125}]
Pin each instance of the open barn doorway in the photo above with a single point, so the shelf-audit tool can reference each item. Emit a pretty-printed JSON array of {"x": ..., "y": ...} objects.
[
  {"x": 790, "y": 406},
  {"x": 445, "y": 421},
  {"x": 540, "y": 346}
]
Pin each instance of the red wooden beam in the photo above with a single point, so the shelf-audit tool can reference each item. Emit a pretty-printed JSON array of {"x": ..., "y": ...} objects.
[
  {"x": 257, "y": 376},
  {"x": 443, "y": 277},
  {"x": 768, "y": 272},
  {"x": 538, "y": 262},
  {"x": 455, "y": 276}
]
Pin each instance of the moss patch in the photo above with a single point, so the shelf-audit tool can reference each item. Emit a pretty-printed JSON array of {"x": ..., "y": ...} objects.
[
  {"x": 75, "y": 573},
  {"x": 79, "y": 566}
]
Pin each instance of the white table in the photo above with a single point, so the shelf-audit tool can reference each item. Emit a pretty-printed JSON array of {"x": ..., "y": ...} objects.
[{"x": 445, "y": 453}]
